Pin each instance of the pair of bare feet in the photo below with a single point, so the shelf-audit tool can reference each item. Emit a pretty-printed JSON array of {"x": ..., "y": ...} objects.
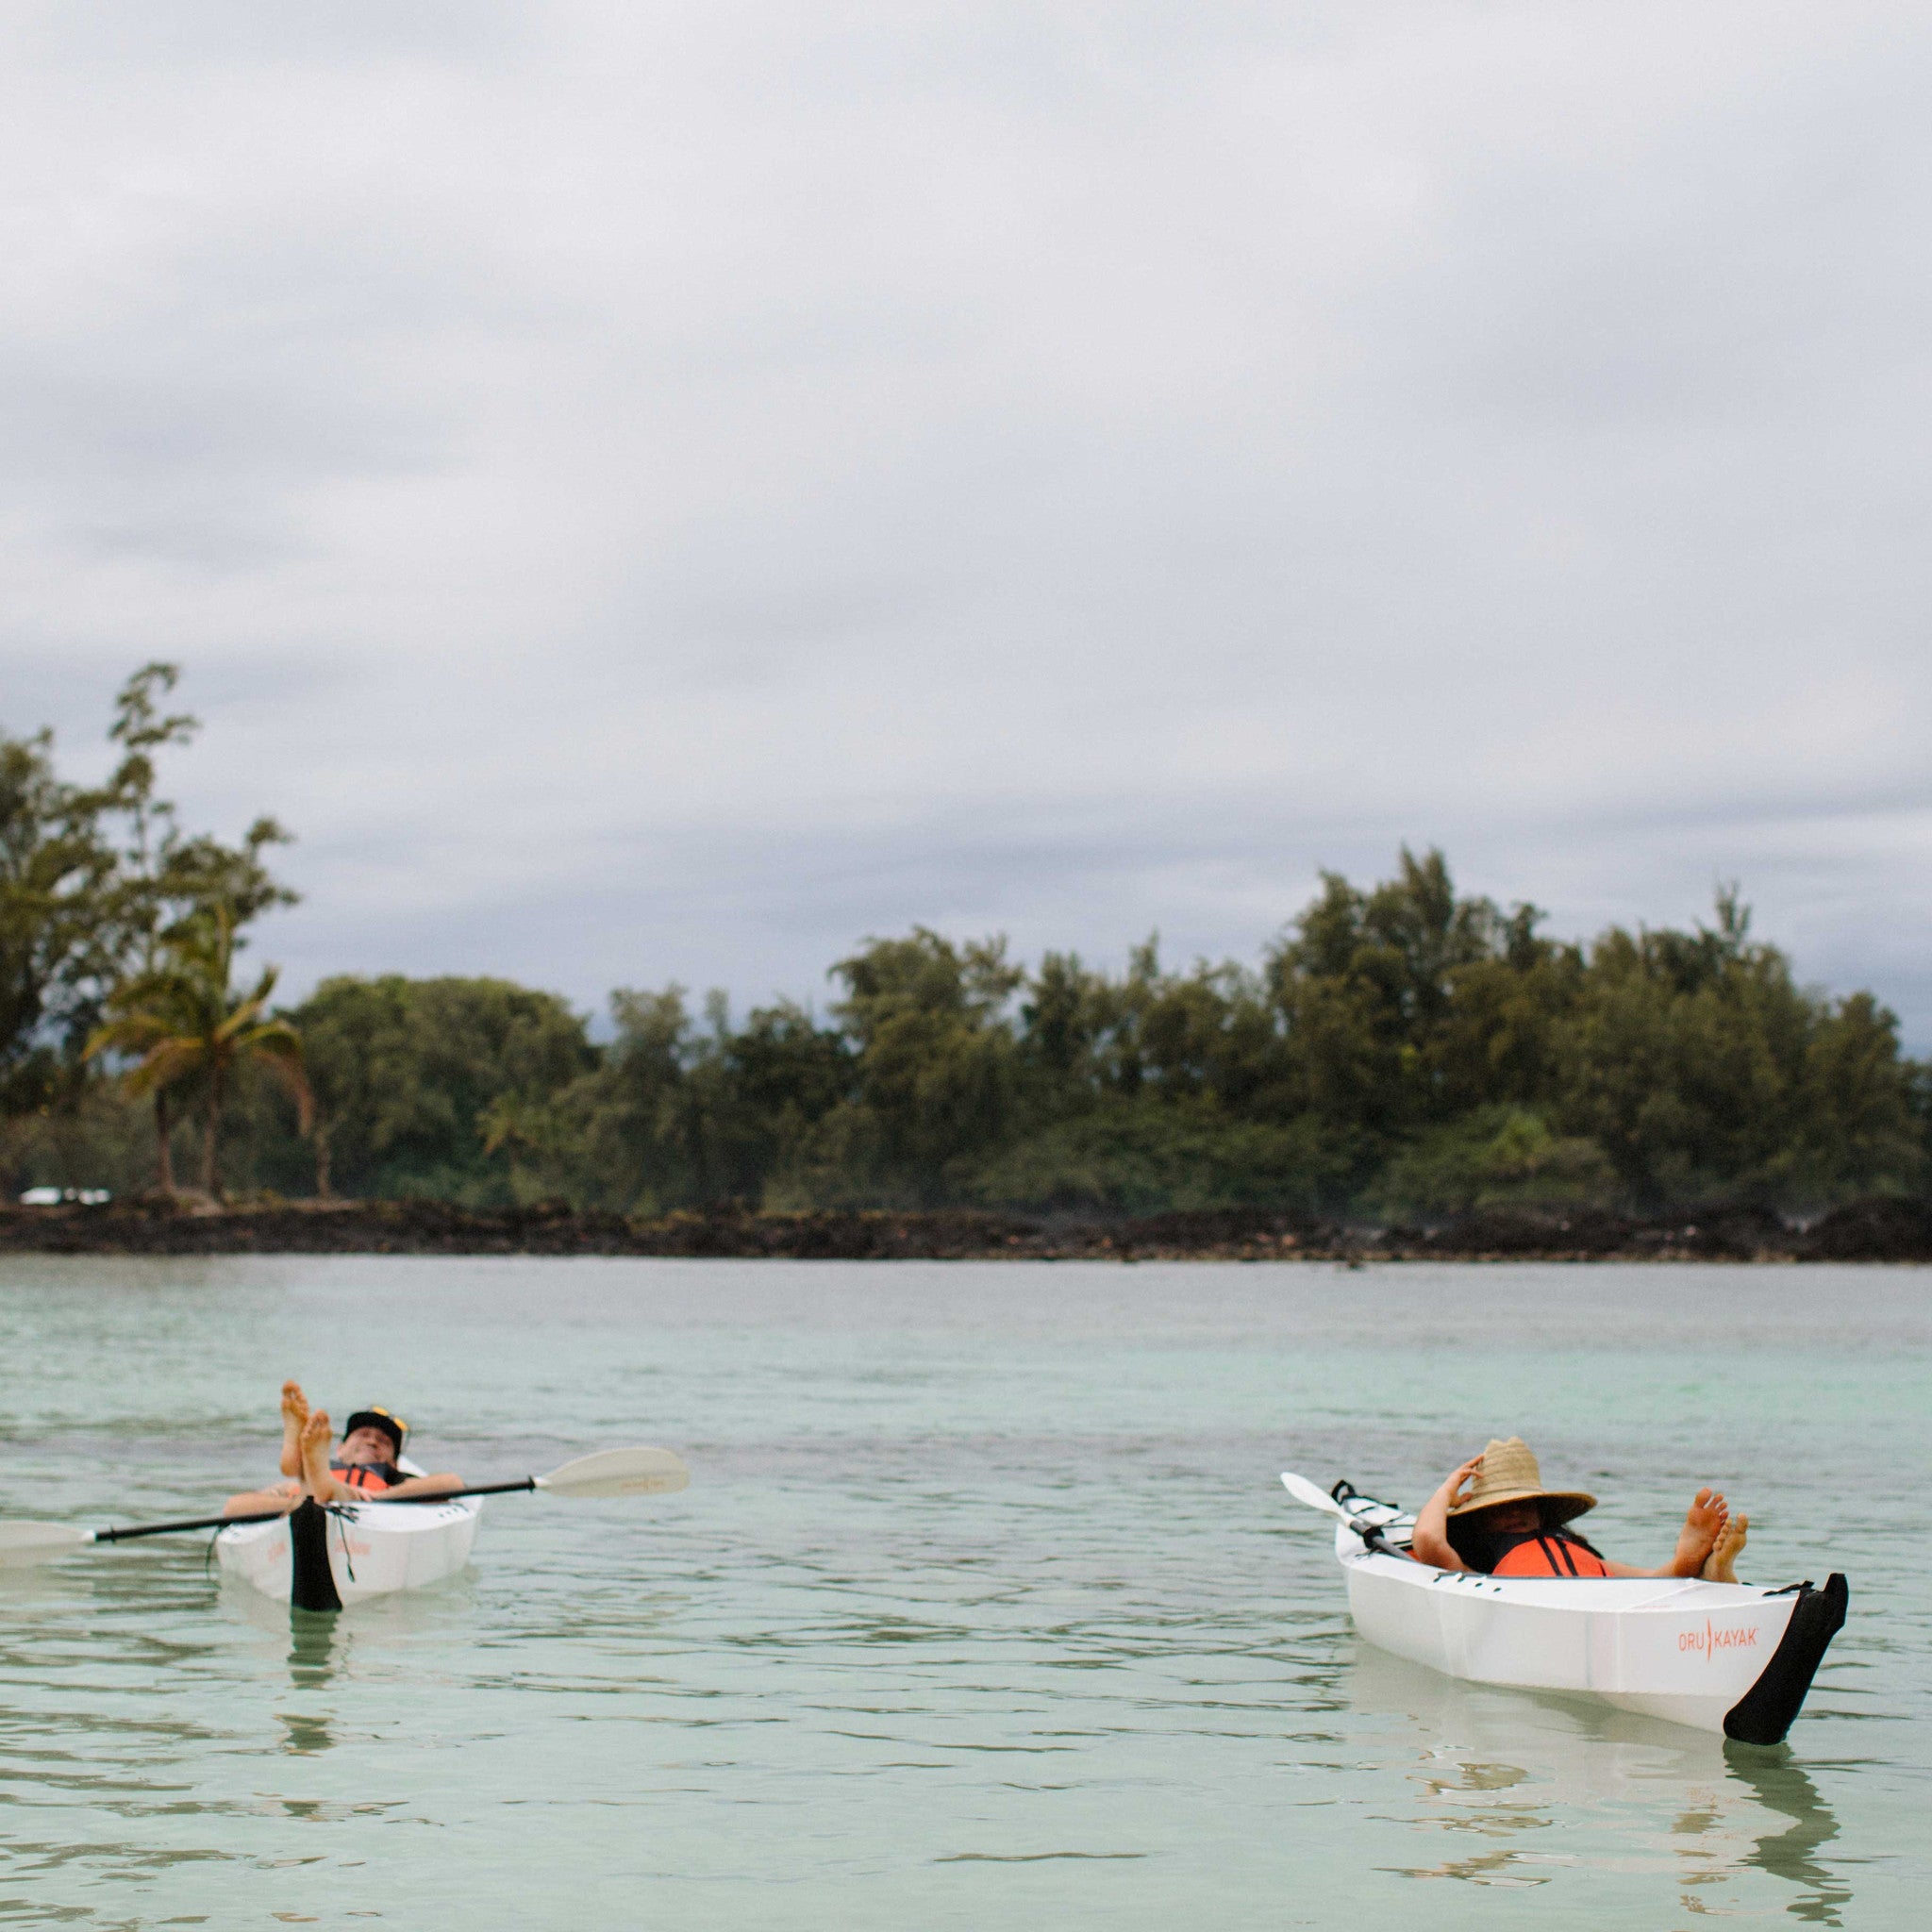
[
  {"x": 1711, "y": 1539},
  {"x": 306, "y": 1435},
  {"x": 307, "y": 1464}
]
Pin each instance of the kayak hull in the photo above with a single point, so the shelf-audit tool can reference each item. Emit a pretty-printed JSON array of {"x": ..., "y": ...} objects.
[
  {"x": 350, "y": 1552},
  {"x": 1728, "y": 1657}
]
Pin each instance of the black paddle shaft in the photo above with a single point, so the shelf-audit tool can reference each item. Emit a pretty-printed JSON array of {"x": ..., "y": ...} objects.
[
  {"x": 523, "y": 1482},
  {"x": 125, "y": 1535}
]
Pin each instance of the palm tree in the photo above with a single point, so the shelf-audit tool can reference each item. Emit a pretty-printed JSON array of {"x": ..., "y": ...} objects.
[{"x": 182, "y": 1019}]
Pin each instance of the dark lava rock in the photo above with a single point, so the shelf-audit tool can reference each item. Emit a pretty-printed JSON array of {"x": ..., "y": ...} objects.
[
  {"x": 1234, "y": 1233},
  {"x": 1875, "y": 1230},
  {"x": 1595, "y": 1234},
  {"x": 1884, "y": 1228},
  {"x": 1733, "y": 1233},
  {"x": 1528, "y": 1233}
]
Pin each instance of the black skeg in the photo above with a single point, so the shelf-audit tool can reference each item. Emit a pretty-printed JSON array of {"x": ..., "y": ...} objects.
[
  {"x": 311, "y": 1584},
  {"x": 1764, "y": 1713}
]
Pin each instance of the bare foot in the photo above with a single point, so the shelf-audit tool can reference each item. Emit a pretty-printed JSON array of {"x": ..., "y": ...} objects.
[
  {"x": 1719, "y": 1565},
  {"x": 317, "y": 1479},
  {"x": 1704, "y": 1523},
  {"x": 294, "y": 1413}
]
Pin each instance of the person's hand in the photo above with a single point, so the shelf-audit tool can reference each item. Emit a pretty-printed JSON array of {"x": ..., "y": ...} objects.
[{"x": 1452, "y": 1489}]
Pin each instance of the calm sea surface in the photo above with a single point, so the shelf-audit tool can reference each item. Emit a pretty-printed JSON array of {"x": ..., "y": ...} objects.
[{"x": 984, "y": 1608}]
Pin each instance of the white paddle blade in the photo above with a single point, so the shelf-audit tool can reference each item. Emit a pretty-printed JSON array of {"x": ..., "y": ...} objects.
[
  {"x": 1302, "y": 1491},
  {"x": 619, "y": 1472},
  {"x": 22, "y": 1543}
]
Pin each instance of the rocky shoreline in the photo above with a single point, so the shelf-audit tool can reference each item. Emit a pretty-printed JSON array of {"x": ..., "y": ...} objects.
[{"x": 1882, "y": 1229}]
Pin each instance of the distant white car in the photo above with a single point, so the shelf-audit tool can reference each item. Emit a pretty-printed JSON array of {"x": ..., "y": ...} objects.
[{"x": 53, "y": 1197}]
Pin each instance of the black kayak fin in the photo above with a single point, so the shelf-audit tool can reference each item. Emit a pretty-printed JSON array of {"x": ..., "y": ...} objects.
[
  {"x": 1764, "y": 1713},
  {"x": 311, "y": 1583}
]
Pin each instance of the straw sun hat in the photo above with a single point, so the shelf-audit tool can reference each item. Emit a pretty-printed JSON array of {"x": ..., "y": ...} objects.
[{"x": 1509, "y": 1474}]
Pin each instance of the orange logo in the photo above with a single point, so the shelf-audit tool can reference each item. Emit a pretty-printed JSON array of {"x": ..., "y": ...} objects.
[{"x": 1710, "y": 1639}]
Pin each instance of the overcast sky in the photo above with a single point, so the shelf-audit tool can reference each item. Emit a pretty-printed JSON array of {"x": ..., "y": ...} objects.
[{"x": 656, "y": 492}]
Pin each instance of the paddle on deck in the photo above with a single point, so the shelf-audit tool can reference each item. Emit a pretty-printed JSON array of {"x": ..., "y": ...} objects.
[{"x": 1302, "y": 1491}]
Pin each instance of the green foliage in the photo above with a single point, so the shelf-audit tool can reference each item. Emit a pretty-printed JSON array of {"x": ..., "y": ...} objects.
[
  {"x": 1402, "y": 1051},
  {"x": 90, "y": 1135},
  {"x": 1399, "y": 1050},
  {"x": 53, "y": 860},
  {"x": 1494, "y": 1157},
  {"x": 1140, "y": 1157},
  {"x": 95, "y": 882},
  {"x": 181, "y": 1020},
  {"x": 429, "y": 1086},
  {"x": 936, "y": 1062},
  {"x": 1704, "y": 1070},
  {"x": 679, "y": 1114}
]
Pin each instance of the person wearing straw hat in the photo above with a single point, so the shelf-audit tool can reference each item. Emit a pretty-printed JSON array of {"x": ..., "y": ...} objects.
[{"x": 1509, "y": 1525}]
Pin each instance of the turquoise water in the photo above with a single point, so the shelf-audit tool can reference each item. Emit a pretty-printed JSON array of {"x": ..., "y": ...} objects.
[{"x": 985, "y": 1606}]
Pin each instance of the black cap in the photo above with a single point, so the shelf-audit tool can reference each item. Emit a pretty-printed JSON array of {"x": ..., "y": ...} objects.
[{"x": 377, "y": 1417}]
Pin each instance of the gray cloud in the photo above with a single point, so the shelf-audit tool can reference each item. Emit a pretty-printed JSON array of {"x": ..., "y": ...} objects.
[{"x": 663, "y": 494}]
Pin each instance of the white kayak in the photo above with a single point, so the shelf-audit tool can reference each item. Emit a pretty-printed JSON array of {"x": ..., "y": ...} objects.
[
  {"x": 1729, "y": 1657},
  {"x": 318, "y": 1558}
]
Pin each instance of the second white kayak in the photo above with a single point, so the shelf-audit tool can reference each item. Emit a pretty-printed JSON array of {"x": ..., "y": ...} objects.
[{"x": 1729, "y": 1657}]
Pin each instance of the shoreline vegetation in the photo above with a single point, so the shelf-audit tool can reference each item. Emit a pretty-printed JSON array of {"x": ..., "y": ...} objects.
[
  {"x": 1884, "y": 1228},
  {"x": 1399, "y": 1057}
]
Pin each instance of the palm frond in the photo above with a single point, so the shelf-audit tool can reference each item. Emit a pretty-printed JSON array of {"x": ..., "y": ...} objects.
[
  {"x": 185, "y": 1016},
  {"x": 169, "y": 1060},
  {"x": 134, "y": 1034},
  {"x": 279, "y": 1048},
  {"x": 239, "y": 1022}
]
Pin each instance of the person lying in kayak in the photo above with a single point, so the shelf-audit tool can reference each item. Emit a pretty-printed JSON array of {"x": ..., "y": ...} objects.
[
  {"x": 363, "y": 1465},
  {"x": 1509, "y": 1525}
]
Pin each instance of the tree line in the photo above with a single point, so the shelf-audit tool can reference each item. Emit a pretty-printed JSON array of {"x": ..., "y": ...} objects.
[{"x": 1398, "y": 1051}]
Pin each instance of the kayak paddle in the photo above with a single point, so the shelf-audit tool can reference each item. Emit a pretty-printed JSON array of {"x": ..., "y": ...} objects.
[
  {"x": 608, "y": 1473},
  {"x": 1302, "y": 1491},
  {"x": 22, "y": 1543}
]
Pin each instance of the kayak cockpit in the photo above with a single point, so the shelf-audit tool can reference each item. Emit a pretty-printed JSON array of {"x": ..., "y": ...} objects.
[{"x": 320, "y": 1558}]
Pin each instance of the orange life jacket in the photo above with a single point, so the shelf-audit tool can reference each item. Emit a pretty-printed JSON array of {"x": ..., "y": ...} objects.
[
  {"x": 1552, "y": 1553},
  {"x": 357, "y": 1477}
]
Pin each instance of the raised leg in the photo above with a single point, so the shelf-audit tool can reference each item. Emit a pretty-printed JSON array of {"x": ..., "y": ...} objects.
[
  {"x": 1720, "y": 1566},
  {"x": 1704, "y": 1523},
  {"x": 317, "y": 1478},
  {"x": 295, "y": 1414}
]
